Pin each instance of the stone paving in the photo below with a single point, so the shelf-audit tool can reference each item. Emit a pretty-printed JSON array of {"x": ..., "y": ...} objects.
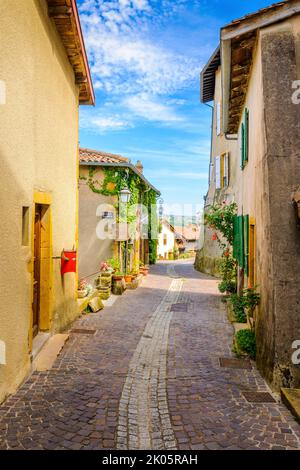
[{"x": 149, "y": 377}]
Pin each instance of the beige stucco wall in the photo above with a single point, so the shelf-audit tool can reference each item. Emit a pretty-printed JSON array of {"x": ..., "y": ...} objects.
[
  {"x": 92, "y": 249},
  {"x": 38, "y": 151}
]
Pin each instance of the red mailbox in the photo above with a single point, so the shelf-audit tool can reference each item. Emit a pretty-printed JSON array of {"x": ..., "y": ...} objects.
[{"x": 68, "y": 261}]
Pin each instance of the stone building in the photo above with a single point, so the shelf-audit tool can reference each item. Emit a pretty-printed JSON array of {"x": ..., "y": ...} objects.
[
  {"x": 259, "y": 64},
  {"x": 44, "y": 76},
  {"x": 221, "y": 167},
  {"x": 101, "y": 235},
  {"x": 167, "y": 242}
]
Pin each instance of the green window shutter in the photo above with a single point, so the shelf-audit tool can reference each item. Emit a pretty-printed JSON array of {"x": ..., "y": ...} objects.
[
  {"x": 241, "y": 241},
  {"x": 243, "y": 146},
  {"x": 246, "y": 244},
  {"x": 238, "y": 240},
  {"x": 235, "y": 237},
  {"x": 246, "y": 135}
]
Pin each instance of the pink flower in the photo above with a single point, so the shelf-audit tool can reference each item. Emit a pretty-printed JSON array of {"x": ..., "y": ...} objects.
[{"x": 104, "y": 266}]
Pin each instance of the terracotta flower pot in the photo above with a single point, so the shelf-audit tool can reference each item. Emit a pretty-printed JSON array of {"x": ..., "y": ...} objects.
[{"x": 128, "y": 278}]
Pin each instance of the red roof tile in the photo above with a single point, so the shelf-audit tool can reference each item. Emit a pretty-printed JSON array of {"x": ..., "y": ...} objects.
[
  {"x": 191, "y": 232},
  {"x": 95, "y": 156}
]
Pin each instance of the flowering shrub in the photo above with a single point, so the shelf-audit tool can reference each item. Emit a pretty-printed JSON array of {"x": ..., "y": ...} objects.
[
  {"x": 104, "y": 267},
  {"x": 220, "y": 218}
]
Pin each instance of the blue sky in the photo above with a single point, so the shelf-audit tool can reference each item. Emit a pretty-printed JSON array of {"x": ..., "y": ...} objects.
[{"x": 145, "y": 57}]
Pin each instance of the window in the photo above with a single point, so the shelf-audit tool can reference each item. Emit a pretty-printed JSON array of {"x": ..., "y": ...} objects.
[
  {"x": 218, "y": 118},
  {"x": 246, "y": 243},
  {"x": 243, "y": 244},
  {"x": 165, "y": 239},
  {"x": 25, "y": 226},
  {"x": 222, "y": 171},
  {"x": 245, "y": 139},
  {"x": 251, "y": 277},
  {"x": 238, "y": 240}
]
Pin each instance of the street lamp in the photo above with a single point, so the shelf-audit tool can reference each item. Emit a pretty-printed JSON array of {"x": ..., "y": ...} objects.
[{"x": 125, "y": 195}]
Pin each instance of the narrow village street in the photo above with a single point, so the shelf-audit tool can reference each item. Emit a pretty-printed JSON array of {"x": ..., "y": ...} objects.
[{"x": 145, "y": 373}]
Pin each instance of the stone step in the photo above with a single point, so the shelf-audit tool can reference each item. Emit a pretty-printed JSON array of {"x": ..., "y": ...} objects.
[
  {"x": 47, "y": 356},
  {"x": 291, "y": 398}
]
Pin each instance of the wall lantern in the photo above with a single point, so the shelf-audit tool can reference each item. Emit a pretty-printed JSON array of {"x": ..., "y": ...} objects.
[{"x": 125, "y": 195}]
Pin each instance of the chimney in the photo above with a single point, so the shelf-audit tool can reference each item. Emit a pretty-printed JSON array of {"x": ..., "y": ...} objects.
[{"x": 139, "y": 166}]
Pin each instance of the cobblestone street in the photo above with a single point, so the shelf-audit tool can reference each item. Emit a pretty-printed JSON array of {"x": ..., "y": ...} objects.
[{"x": 149, "y": 377}]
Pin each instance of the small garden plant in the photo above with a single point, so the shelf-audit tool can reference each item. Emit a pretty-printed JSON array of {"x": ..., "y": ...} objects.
[{"x": 246, "y": 343}]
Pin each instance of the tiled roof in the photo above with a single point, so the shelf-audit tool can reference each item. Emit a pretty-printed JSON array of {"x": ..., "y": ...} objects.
[
  {"x": 257, "y": 13},
  {"x": 64, "y": 14},
  {"x": 191, "y": 232},
  {"x": 95, "y": 156}
]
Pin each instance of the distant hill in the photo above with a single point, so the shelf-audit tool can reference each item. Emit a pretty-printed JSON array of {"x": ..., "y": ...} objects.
[{"x": 182, "y": 221}]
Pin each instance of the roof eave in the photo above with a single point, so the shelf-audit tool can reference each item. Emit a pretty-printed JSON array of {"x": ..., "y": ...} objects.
[
  {"x": 65, "y": 16},
  {"x": 91, "y": 100},
  {"x": 246, "y": 25},
  {"x": 207, "y": 77}
]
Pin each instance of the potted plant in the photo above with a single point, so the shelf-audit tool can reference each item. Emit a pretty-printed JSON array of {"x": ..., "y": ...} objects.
[
  {"x": 82, "y": 290},
  {"x": 128, "y": 278},
  {"x": 118, "y": 276},
  {"x": 114, "y": 264},
  {"x": 144, "y": 269},
  {"x": 119, "y": 284}
]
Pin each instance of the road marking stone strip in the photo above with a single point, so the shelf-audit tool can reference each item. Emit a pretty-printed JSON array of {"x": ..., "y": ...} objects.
[{"x": 144, "y": 402}]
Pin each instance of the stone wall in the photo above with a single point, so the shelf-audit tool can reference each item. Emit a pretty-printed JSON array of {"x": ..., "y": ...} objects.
[{"x": 278, "y": 322}]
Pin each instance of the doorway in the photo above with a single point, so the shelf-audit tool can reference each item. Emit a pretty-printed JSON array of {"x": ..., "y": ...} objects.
[{"x": 42, "y": 269}]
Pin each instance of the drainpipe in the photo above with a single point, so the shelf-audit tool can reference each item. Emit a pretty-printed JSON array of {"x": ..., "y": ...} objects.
[{"x": 211, "y": 139}]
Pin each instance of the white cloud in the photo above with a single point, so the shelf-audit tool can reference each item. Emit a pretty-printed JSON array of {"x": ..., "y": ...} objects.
[
  {"x": 148, "y": 107},
  {"x": 126, "y": 62},
  {"x": 101, "y": 123}
]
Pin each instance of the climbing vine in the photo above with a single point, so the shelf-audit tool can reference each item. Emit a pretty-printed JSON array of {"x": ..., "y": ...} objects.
[{"x": 115, "y": 179}]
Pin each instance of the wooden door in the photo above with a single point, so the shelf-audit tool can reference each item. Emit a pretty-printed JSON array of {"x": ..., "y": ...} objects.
[{"x": 37, "y": 269}]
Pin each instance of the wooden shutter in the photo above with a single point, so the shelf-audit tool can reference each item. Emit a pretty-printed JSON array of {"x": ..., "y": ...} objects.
[
  {"x": 218, "y": 172},
  {"x": 235, "y": 237},
  {"x": 242, "y": 146},
  {"x": 226, "y": 169},
  {"x": 238, "y": 240},
  {"x": 246, "y": 244},
  {"x": 218, "y": 119},
  {"x": 246, "y": 137}
]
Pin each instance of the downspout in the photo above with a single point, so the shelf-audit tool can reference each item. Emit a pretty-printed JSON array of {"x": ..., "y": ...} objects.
[{"x": 211, "y": 139}]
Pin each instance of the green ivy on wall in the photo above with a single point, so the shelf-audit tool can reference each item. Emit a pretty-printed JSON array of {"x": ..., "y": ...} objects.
[{"x": 115, "y": 179}]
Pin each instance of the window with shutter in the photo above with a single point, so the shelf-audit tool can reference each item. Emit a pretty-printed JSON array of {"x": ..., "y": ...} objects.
[
  {"x": 226, "y": 170},
  {"x": 246, "y": 121},
  {"x": 246, "y": 244},
  {"x": 245, "y": 139},
  {"x": 238, "y": 240},
  {"x": 218, "y": 172},
  {"x": 242, "y": 146}
]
